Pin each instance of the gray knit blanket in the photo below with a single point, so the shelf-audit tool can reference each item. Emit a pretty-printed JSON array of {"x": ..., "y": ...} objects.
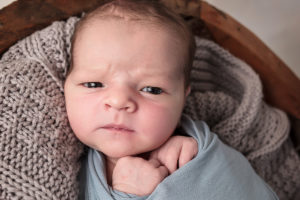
[{"x": 39, "y": 154}]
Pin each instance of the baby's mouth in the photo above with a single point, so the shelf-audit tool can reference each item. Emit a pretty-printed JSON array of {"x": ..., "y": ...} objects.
[{"x": 117, "y": 127}]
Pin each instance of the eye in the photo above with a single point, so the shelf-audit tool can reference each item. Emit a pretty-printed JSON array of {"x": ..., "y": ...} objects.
[
  {"x": 92, "y": 84},
  {"x": 152, "y": 90}
]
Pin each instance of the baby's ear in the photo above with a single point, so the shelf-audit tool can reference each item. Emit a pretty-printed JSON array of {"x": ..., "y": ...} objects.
[{"x": 187, "y": 91}]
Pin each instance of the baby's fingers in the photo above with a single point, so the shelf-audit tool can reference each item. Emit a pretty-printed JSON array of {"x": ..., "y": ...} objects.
[
  {"x": 162, "y": 171},
  {"x": 167, "y": 156},
  {"x": 154, "y": 162},
  {"x": 188, "y": 152}
]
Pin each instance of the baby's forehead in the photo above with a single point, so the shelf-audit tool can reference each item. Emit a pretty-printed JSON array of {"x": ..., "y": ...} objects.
[
  {"x": 147, "y": 30},
  {"x": 179, "y": 47}
]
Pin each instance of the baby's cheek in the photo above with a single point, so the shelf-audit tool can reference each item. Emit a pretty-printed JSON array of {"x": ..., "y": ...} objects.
[
  {"x": 79, "y": 114},
  {"x": 159, "y": 121},
  {"x": 76, "y": 121}
]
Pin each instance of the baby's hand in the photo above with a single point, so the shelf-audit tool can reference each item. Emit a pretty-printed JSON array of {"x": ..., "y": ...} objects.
[
  {"x": 137, "y": 176},
  {"x": 176, "y": 152}
]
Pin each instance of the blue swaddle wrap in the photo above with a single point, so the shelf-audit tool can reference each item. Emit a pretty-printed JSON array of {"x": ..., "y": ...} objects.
[{"x": 217, "y": 172}]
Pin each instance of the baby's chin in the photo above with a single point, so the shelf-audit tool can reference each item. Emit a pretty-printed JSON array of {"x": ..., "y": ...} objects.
[
  {"x": 117, "y": 150},
  {"x": 117, "y": 154}
]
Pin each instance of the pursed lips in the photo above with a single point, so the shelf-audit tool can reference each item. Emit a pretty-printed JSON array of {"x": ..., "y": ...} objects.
[{"x": 117, "y": 127}]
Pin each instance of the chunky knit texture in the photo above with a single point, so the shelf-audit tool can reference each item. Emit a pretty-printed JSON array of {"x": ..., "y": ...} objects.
[{"x": 39, "y": 153}]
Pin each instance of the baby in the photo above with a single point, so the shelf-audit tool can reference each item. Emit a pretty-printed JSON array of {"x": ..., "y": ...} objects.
[{"x": 125, "y": 92}]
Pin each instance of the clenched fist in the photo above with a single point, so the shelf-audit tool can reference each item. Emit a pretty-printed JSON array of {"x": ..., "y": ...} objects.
[
  {"x": 176, "y": 152},
  {"x": 138, "y": 176}
]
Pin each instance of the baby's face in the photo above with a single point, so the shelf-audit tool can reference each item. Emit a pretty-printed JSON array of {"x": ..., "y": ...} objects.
[{"x": 126, "y": 91}]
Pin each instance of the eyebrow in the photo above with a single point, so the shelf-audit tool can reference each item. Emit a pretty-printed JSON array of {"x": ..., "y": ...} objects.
[
  {"x": 82, "y": 72},
  {"x": 174, "y": 75},
  {"x": 167, "y": 76}
]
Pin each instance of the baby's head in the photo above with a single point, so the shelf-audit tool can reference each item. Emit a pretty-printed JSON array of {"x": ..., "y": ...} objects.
[{"x": 129, "y": 76}]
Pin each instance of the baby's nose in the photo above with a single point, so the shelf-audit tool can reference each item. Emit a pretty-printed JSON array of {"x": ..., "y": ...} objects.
[{"x": 120, "y": 101}]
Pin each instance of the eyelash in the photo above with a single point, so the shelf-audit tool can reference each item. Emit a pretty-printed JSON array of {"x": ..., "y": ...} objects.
[
  {"x": 92, "y": 84},
  {"x": 149, "y": 89},
  {"x": 152, "y": 90}
]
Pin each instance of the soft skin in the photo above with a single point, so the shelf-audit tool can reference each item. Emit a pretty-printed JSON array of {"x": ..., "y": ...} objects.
[{"x": 125, "y": 74}]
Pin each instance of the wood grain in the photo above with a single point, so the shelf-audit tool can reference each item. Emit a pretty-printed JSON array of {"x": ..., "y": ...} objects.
[{"x": 23, "y": 17}]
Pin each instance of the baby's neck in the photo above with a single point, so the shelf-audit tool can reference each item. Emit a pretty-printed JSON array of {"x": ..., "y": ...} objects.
[{"x": 110, "y": 165}]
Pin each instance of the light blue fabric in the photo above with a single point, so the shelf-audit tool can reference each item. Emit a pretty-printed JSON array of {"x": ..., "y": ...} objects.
[{"x": 218, "y": 172}]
